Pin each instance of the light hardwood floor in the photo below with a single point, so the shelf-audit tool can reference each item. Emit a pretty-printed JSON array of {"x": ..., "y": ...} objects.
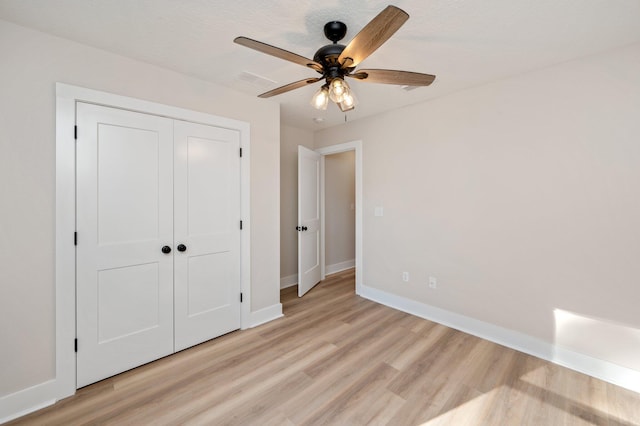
[{"x": 339, "y": 359}]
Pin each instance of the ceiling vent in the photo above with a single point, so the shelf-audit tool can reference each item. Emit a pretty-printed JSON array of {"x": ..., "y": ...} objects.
[{"x": 256, "y": 80}]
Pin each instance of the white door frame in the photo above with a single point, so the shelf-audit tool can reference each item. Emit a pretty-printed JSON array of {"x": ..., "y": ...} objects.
[
  {"x": 336, "y": 149},
  {"x": 65, "y": 259}
]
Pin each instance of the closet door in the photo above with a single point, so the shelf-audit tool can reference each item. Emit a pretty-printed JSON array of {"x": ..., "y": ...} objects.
[
  {"x": 124, "y": 219},
  {"x": 207, "y": 232}
]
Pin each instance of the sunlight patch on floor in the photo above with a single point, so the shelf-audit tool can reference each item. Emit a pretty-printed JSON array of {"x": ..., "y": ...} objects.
[{"x": 468, "y": 413}]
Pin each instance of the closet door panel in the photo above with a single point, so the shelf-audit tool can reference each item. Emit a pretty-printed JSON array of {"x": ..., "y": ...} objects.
[
  {"x": 124, "y": 216},
  {"x": 207, "y": 225}
]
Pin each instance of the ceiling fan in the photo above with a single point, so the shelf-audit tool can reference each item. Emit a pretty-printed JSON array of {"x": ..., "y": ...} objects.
[{"x": 336, "y": 61}]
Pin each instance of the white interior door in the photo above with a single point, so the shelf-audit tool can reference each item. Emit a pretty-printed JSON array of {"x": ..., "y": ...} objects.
[
  {"x": 124, "y": 218},
  {"x": 207, "y": 232},
  {"x": 309, "y": 167}
]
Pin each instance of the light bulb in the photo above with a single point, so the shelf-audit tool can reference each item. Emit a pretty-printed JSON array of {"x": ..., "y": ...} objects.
[
  {"x": 348, "y": 101},
  {"x": 337, "y": 89},
  {"x": 339, "y": 86},
  {"x": 321, "y": 98}
]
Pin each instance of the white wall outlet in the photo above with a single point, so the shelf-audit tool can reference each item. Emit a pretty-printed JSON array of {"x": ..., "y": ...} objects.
[
  {"x": 405, "y": 277},
  {"x": 378, "y": 211},
  {"x": 433, "y": 283}
]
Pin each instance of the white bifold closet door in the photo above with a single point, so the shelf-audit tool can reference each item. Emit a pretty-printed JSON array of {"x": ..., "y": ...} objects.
[{"x": 158, "y": 262}]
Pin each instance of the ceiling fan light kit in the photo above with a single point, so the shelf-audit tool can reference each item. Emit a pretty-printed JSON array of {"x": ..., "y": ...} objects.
[
  {"x": 348, "y": 101},
  {"x": 321, "y": 98},
  {"x": 335, "y": 61}
]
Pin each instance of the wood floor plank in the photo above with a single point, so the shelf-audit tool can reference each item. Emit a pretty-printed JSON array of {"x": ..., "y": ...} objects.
[
  {"x": 336, "y": 375},
  {"x": 386, "y": 405},
  {"x": 337, "y": 409},
  {"x": 338, "y": 359},
  {"x": 416, "y": 410},
  {"x": 402, "y": 359},
  {"x": 624, "y": 406},
  {"x": 420, "y": 373},
  {"x": 256, "y": 408},
  {"x": 492, "y": 369},
  {"x": 461, "y": 408},
  {"x": 213, "y": 399}
]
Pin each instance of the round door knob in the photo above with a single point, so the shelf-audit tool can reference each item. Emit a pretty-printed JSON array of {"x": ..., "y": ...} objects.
[
  {"x": 304, "y": 228},
  {"x": 181, "y": 247},
  {"x": 166, "y": 249}
]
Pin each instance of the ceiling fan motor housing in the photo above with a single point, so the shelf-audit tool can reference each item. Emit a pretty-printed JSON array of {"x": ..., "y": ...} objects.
[{"x": 328, "y": 55}]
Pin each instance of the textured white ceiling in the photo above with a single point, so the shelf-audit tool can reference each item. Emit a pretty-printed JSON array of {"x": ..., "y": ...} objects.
[{"x": 464, "y": 42}]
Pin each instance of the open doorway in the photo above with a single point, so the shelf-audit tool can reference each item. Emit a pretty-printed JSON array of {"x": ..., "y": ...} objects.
[
  {"x": 290, "y": 223},
  {"x": 339, "y": 212},
  {"x": 326, "y": 215},
  {"x": 356, "y": 148},
  {"x": 338, "y": 259}
]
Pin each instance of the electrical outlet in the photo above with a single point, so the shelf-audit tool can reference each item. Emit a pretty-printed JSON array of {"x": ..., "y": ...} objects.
[
  {"x": 405, "y": 277},
  {"x": 433, "y": 283}
]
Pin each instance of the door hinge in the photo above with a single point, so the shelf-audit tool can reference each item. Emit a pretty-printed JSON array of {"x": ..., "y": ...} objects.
[
  {"x": 240, "y": 225},
  {"x": 75, "y": 238},
  {"x": 240, "y": 152},
  {"x": 240, "y": 297},
  {"x": 75, "y": 132},
  {"x": 75, "y": 345}
]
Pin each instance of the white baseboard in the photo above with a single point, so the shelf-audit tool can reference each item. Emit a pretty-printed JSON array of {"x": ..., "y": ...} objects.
[
  {"x": 341, "y": 266},
  {"x": 598, "y": 368},
  {"x": 28, "y": 400},
  {"x": 265, "y": 315},
  {"x": 288, "y": 281}
]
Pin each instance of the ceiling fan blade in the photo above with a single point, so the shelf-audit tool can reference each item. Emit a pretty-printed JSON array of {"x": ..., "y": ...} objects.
[
  {"x": 372, "y": 36},
  {"x": 405, "y": 78},
  {"x": 277, "y": 52},
  {"x": 290, "y": 86}
]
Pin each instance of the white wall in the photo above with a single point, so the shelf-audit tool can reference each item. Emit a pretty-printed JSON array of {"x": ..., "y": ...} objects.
[
  {"x": 521, "y": 197},
  {"x": 31, "y": 64},
  {"x": 340, "y": 199},
  {"x": 290, "y": 138}
]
